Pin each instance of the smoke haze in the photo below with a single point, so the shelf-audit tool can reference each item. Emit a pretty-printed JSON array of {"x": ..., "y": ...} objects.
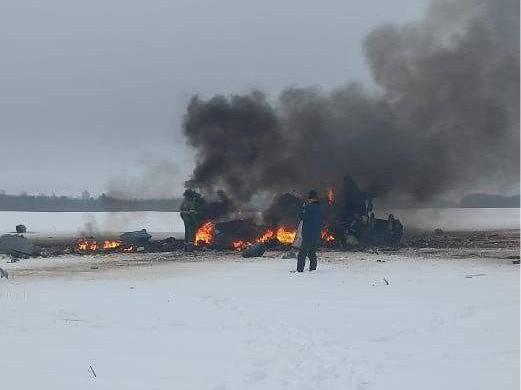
[{"x": 444, "y": 115}]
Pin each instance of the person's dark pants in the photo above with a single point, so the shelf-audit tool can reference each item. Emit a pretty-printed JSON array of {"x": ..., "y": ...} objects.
[
  {"x": 307, "y": 249},
  {"x": 190, "y": 231}
]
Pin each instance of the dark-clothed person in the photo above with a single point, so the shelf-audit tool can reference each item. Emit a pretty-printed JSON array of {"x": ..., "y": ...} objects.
[
  {"x": 312, "y": 216},
  {"x": 191, "y": 214}
]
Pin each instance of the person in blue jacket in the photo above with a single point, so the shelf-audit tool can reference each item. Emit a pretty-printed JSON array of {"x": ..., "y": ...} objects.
[{"x": 312, "y": 216}]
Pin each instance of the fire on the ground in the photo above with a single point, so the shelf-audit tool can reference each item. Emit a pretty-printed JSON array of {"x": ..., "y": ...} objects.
[
  {"x": 350, "y": 223},
  {"x": 91, "y": 245}
]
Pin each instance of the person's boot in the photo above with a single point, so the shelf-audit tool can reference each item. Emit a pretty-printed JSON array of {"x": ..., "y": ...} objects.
[{"x": 301, "y": 262}]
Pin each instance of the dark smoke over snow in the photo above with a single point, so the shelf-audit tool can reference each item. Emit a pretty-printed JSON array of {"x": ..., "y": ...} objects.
[{"x": 445, "y": 115}]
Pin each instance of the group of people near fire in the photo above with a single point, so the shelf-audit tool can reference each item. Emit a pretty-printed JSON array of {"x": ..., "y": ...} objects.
[{"x": 356, "y": 227}]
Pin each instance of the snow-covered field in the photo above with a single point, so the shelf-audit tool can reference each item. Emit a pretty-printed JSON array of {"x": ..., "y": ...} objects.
[
  {"x": 75, "y": 223},
  {"x": 228, "y": 324}
]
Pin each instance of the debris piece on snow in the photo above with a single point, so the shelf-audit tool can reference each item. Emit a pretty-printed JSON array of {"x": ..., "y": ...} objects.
[
  {"x": 474, "y": 275},
  {"x": 15, "y": 245},
  {"x": 189, "y": 247},
  {"x": 3, "y": 274},
  {"x": 21, "y": 228},
  {"x": 91, "y": 370},
  {"x": 515, "y": 261},
  {"x": 137, "y": 238},
  {"x": 256, "y": 250},
  {"x": 380, "y": 282}
]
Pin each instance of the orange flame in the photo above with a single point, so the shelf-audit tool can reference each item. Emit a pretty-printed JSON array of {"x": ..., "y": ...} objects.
[
  {"x": 330, "y": 196},
  {"x": 286, "y": 236},
  {"x": 87, "y": 245},
  {"x": 90, "y": 245},
  {"x": 205, "y": 233},
  {"x": 240, "y": 245},
  {"x": 327, "y": 236},
  {"x": 111, "y": 244},
  {"x": 268, "y": 235}
]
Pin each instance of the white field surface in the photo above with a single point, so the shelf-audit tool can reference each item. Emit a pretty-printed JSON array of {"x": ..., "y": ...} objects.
[
  {"x": 220, "y": 322},
  {"x": 170, "y": 223},
  {"x": 80, "y": 223}
]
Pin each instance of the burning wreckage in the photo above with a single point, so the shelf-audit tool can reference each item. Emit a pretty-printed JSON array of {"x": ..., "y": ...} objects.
[
  {"x": 350, "y": 223},
  {"x": 19, "y": 246}
]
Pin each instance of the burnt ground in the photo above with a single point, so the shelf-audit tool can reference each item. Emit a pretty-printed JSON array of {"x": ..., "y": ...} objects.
[
  {"x": 491, "y": 244},
  {"x": 471, "y": 239},
  {"x": 495, "y": 244}
]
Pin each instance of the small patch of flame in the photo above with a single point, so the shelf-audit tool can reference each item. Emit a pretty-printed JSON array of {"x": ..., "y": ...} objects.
[
  {"x": 240, "y": 245},
  {"x": 327, "y": 236},
  {"x": 87, "y": 245},
  {"x": 111, "y": 244},
  {"x": 266, "y": 236},
  {"x": 330, "y": 196},
  {"x": 286, "y": 236},
  {"x": 90, "y": 245},
  {"x": 205, "y": 233}
]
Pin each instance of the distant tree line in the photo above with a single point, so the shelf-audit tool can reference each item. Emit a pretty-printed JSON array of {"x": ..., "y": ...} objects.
[
  {"x": 490, "y": 201},
  {"x": 86, "y": 202},
  {"x": 26, "y": 202}
]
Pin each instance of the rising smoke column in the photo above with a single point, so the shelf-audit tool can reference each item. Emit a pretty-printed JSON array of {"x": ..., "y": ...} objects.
[
  {"x": 238, "y": 142},
  {"x": 453, "y": 84},
  {"x": 446, "y": 115}
]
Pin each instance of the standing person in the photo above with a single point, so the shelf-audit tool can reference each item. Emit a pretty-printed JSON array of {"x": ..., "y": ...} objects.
[
  {"x": 191, "y": 213},
  {"x": 312, "y": 217}
]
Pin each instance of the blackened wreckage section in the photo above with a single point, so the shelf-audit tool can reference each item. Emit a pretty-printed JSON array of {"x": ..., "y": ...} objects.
[{"x": 350, "y": 223}]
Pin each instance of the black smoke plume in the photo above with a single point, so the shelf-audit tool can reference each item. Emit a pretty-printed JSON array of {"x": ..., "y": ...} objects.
[{"x": 445, "y": 115}]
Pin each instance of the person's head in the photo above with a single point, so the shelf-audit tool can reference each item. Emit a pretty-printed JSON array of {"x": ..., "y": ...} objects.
[{"x": 312, "y": 195}]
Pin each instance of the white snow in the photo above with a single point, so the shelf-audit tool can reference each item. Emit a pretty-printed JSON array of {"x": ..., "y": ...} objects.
[
  {"x": 75, "y": 223},
  {"x": 234, "y": 324},
  {"x": 459, "y": 218}
]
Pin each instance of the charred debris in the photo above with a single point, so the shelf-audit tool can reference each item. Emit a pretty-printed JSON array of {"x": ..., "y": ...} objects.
[{"x": 350, "y": 223}]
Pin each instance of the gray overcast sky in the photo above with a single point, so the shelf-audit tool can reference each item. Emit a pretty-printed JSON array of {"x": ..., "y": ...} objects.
[{"x": 92, "y": 93}]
